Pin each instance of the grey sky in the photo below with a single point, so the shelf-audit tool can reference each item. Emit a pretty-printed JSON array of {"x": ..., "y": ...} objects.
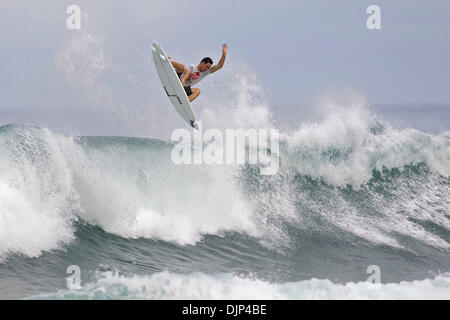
[{"x": 296, "y": 48}]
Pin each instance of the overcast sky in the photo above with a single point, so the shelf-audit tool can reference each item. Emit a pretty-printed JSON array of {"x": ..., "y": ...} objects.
[{"x": 295, "y": 48}]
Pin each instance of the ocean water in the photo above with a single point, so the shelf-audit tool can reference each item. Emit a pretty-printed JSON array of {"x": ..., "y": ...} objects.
[{"x": 358, "y": 187}]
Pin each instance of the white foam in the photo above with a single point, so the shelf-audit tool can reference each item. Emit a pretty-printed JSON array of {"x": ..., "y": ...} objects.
[
  {"x": 172, "y": 203},
  {"x": 167, "y": 285},
  {"x": 25, "y": 227},
  {"x": 36, "y": 194},
  {"x": 344, "y": 149}
]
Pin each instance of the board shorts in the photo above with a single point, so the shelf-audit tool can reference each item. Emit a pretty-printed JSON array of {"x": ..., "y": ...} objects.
[{"x": 186, "y": 89}]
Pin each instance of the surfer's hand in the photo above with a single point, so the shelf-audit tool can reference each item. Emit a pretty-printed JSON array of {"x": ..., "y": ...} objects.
[
  {"x": 183, "y": 83},
  {"x": 224, "y": 48}
]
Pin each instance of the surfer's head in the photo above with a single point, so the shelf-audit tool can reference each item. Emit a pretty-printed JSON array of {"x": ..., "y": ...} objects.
[{"x": 205, "y": 64}]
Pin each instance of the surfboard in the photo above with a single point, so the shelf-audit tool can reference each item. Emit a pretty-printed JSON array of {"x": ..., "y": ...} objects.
[{"x": 172, "y": 85}]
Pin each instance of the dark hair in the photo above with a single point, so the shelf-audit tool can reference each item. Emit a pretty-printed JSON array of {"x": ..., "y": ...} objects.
[{"x": 207, "y": 60}]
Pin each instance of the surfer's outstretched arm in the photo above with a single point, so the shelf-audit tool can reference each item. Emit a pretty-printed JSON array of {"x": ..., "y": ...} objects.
[{"x": 221, "y": 61}]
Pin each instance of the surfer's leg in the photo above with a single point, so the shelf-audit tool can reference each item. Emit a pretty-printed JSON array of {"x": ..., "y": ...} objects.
[
  {"x": 195, "y": 94},
  {"x": 179, "y": 67}
]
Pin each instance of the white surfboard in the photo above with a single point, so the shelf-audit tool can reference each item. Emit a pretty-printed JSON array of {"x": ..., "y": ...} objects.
[{"x": 172, "y": 85}]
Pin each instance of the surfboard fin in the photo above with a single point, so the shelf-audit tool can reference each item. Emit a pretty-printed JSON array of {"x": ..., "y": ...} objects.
[{"x": 194, "y": 125}]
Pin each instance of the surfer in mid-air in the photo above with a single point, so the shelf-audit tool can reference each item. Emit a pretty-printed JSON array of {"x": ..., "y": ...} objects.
[{"x": 190, "y": 74}]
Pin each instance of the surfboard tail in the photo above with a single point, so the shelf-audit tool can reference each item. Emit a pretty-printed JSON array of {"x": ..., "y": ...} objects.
[{"x": 194, "y": 124}]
